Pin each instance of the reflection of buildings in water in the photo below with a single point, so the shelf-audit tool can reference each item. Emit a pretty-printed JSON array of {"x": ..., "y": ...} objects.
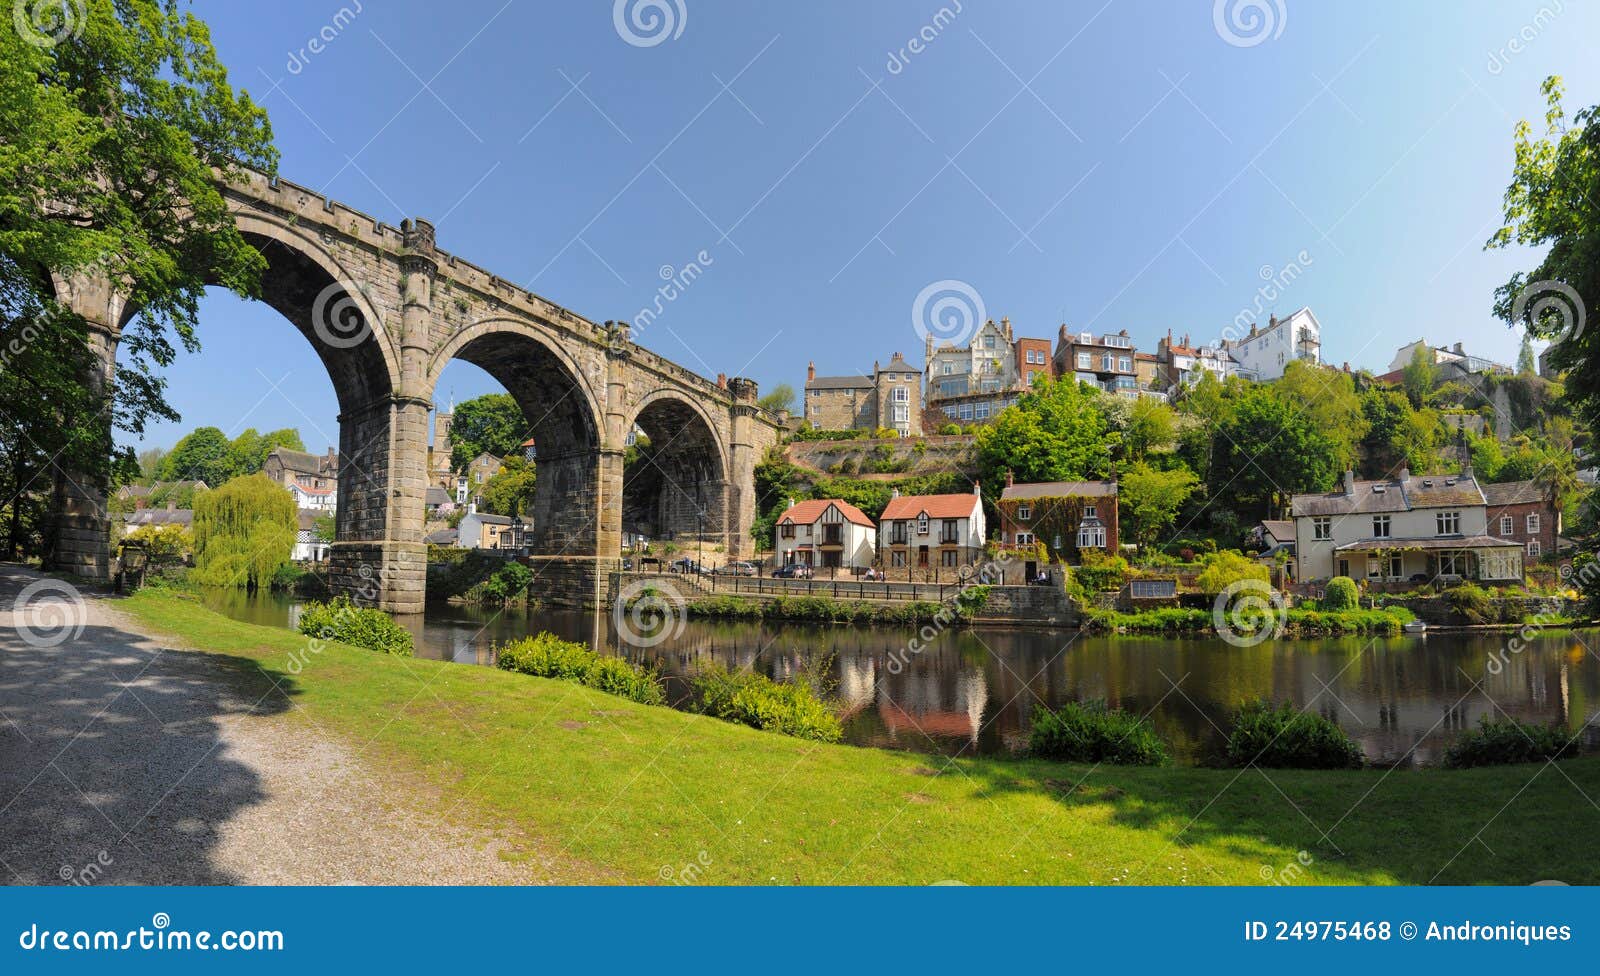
[
  {"x": 918, "y": 703},
  {"x": 858, "y": 680}
]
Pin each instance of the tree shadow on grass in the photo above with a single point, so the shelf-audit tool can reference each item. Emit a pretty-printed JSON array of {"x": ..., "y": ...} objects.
[
  {"x": 1510, "y": 825},
  {"x": 113, "y": 764}
]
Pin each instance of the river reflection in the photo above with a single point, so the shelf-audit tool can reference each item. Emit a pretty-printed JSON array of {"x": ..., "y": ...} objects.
[{"x": 973, "y": 690}]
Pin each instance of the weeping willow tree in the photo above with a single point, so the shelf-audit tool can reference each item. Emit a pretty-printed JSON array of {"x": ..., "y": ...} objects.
[{"x": 244, "y": 532}]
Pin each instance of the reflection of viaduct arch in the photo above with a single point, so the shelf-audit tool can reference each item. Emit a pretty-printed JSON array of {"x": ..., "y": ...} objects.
[{"x": 386, "y": 311}]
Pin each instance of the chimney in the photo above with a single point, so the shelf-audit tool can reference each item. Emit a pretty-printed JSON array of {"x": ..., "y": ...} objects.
[
  {"x": 1062, "y": 335},
  {"x": 1459, "y": 351},
  {"x": 811, "y": 371},
  {"x": 894, "y": 493},
  {"x": 1349, "y": 482},
  {"x": 1009, "y": 482},
  {"x": 875, "y": 369},
  {"x": 1405, "y": 475},
  {"x": 790, "y": 505},
  {"x": 722, "y": 381},
  {"x": 1186, "y": 340},
  {"x": 1272, "y": 321},
  {"x": 975, "y": 489}
]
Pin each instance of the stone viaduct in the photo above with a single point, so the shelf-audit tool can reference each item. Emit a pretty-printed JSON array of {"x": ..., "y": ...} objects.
[{"x": 386, "y": 310}]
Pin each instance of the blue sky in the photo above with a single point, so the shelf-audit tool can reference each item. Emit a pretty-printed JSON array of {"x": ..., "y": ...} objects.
[{"x": 1107, "y": 165}]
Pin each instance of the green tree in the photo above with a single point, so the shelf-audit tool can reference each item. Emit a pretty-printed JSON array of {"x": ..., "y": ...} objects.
[
  {"x": 781, "y": 397},
  {"x": 1397, "y": 435},
  {"x": 511, "y": 491},
  {"x": 1223, "y": 569},
  {"x": 204, "y": 454},
  {"x": 249, "y": 450},
  {"x": 1549, "y": 206},
  {"x": 1152, "y": 428},
  {"x": 1268, "y": 451},
  {"x": 490, "y": 424},
  {"x": 1525, "y": 362},
  {"x": 112, "y": 141},
  {"x": 1418, "y": 377},
  {"x": 1053, "y": 433},
  {"x": 1149, "y": 499},
  {"x": 1328, "y": 397},
  {"x": 244, "y": 532}
]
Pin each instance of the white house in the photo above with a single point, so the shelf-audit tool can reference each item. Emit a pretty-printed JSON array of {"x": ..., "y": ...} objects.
[
  {"x": 932, "y": 530},
  {"x": 313, "y": 498},
  {"x": 1267, "y": 351},
  {"x": 1412, "y": 527},
  {"x": 825, "y": 532},
  {"x": 480, "y": 530},
  {"x": 307, "y": 547}
]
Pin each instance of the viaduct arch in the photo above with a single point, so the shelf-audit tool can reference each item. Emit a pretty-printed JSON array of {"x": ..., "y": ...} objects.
[{"x": 386, "y": 310}]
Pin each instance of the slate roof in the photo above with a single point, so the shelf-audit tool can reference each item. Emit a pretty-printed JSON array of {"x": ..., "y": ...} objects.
[
  {"x": 1394, "y": 495},
  {"x": 1515, "y": 493},
  {"x": 807, "y": 512},
  {"x": 1060, "y": 489},
  {"x": 841, "y": 383},
  {"x": 1429, "y": 542},
  {"x": 438, "y": 496},
  {"x": 442, "y": 537},
  {"x": 160, "y": 516},
  {"x": 937, "y": 506},
  {"x": 1281, "y": 530},
  {"x": 301, "y": 462}
]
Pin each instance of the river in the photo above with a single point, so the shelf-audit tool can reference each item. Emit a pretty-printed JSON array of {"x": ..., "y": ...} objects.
[{"x": 972, "y": 690}]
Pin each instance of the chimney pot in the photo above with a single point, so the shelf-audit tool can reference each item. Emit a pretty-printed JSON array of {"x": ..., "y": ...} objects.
[
  {"x": 1009, "y": 482},
  {"x": 811, "y": 371},
  {"x": 1349, "y": 482}
]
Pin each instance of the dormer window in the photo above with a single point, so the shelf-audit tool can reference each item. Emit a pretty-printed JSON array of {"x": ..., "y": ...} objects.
[{"x": 922, "y": 524}]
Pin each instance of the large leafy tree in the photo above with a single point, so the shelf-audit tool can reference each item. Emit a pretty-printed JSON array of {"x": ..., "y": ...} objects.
[
  {"x": 1149, "y": 499},
  {"x": 1328, "y": 397},
  {"x": 1152, "y": 429},
  {"x": 249, "y": 450},
  {"x": 1267, "y": 451},
  {"x": 490, "y": 424},
  {"x": 510, "y": 492},
  {"x": 244, "y": 532},
  {"x": 115, "y": 120},
  {"x": 1553, "y": 202},
  {"x": 205, "y": 454},
  {"x": 1053, "y": 433},
  {"x": 780, "y": 397}
]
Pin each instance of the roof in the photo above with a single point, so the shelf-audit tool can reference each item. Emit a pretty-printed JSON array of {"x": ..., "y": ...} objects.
[
  {"x": 442, "y": 537},
  {"x": 841, "y": 383},
  {"x": 1516, "y": 493},
  {"x": 160, "y": 516},
  {"x": 1060, "y": 489},
  {"x": 937, "y": 506},
  {"x": 1393, "y": 495},
  {"x": 806, "y": 512},
  {"x": 308, "y": 518},
  {"x": 488, "y": 519},
  {"x": 301, "y": 461},
  {"x": 308, "y": 490},
  {"x": 1279, "y": 529},
  {"x": 437, "y": 496},
  {"x": 1429, "y": 543}
]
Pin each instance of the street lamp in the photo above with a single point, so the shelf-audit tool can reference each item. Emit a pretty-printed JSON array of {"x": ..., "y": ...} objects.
[{"x": 516, "y": 532}]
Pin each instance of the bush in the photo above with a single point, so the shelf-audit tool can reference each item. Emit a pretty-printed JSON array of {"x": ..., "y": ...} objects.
[
  {"x": 1101, "y": 572},
  {"x": 1223, "y": 569},
  {"x": 547, "y": 656},
  {"x": 1341, "y": 594},
  {"x": 950, "y": 430},
  {"x": 506, "y": 583},
  {"x": 1502, "y": 743},
  {"x": 759, "y": 702},
  {"x": 1286, "y": 738},
  {"x": 1471, "y": 602},
  {"x": 1092, "y": 733},
  {"x": 341, "y": 620}
]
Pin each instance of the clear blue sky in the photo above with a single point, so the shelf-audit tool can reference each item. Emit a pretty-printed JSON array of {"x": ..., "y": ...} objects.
[{"x": 1107, "y": 165}]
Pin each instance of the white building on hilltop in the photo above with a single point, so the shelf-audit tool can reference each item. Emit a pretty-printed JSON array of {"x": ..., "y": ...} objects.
[{"x": 1266, "y": 352}]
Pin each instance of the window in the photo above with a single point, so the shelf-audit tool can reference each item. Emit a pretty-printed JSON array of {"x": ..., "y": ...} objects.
[
  {"x": 1448, "y": 523},
  {"x": 1024, "y": 512},
  {"x": 902, "y": 412},
  {"x": 902, "y": 395},
  {"x": 1508, "y": 525},
  {"x": 1125, "y": 364},
  {"x": 980, "y": 411},
  {"x": 988, "y": 342},
  {"x": 947, "y": 369},
  {"x": 1091, "y": 537},
  {"x": 951, "y": 531},
  {"x": 1089, "y": 512},
  {"x": 922, "y": 524},
  {"x": 805, "y": 531},
  {"x": 1453, "y": 564},
  {"x": 1533, "y": 524},
  {"x": 1374, "y": 567},
  {"x": 1533, "y": 546},
  {"x": 1024, "y": 538},
  {"x": 1085, "y": 360},
  {"x": 1380, "y": 526},
  {"x": 1322, "y": 527},
  {"x": 1396, "y": 567},
  {"x": 897, "y": 558},
  {"x": 1108, "y": 362},
  {"x": 949, "y": 558},
  {"x": 786, "y": 530},
  {"x": 966, "y": 411}
]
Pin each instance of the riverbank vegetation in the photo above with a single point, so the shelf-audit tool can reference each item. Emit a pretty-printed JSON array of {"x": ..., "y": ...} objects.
[
  {"x": 609, "y": 790},
  {"x": 823, "y": 609},
  {"x": 795, "y": 708},
  {"x": 1287, "y": 738},
  {"x": 341, "y": 620},
  {"x": 1089, "y": 732},
  {"x": 1501, "y": 743},
  {"x": 1296, "y": 623},
  {"x": 547, "y": 656}
]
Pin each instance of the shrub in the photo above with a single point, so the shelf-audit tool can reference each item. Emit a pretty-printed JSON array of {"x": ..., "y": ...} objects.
[
  {"x": 1502, "y": 743},
  {"x": 1285, "y": 737},
  {"x": 506, "y": 583},
  {"x": 1471, "y": 602},
  {"x": 341, "y": 620},
  {"x": 1101, "y": 571},
  {"x": 759, "y": 702},
  {"x": 1223, "y": 569},
  {"x": 1090, "y": 732},
  {"x": 1341, "y": 594},
  {"x": 547, "y": 656},
  {"x": 950, "y": 430}
]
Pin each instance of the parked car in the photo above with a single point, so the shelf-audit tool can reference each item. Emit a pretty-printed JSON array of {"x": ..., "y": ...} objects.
[
  {"x": 792, "y": 571},
  {"x": 737, "y": 569},
  {"x": 684, "y": 564}
]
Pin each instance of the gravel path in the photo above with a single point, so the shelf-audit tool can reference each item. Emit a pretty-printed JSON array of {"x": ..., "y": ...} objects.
[{"x": 123, "y": 761}]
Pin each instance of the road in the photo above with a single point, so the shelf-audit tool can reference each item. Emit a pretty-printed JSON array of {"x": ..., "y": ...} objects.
[{"x": 126, "y": 761}]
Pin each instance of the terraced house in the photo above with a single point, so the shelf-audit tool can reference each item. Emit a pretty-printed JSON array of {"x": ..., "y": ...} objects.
[
  {"x": 891, "y": 397},
  {"x": 1414, "y": 529}
]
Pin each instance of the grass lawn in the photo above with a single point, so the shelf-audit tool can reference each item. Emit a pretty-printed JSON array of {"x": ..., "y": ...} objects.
[{"x": 614, "y": 791}]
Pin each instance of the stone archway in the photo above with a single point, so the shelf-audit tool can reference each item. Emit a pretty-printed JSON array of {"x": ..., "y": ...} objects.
[{"x": 678, "y": 487}]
